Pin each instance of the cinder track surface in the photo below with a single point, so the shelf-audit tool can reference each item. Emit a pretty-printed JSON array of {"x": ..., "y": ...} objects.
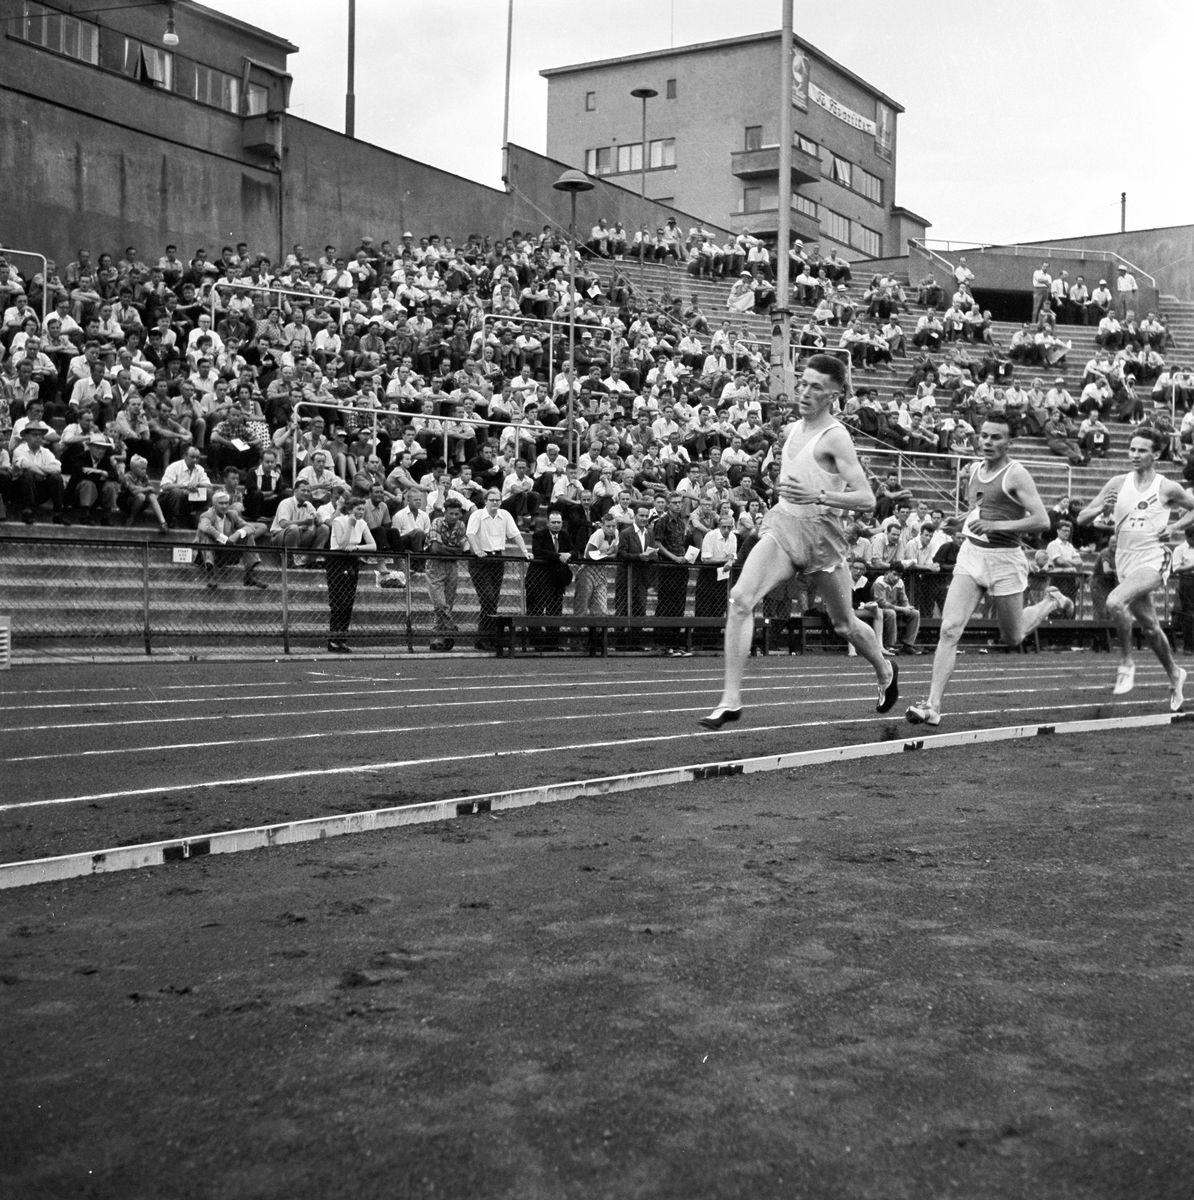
[
  {"x": 965, "y": 973},
  {"x": 98, "y": 756}
]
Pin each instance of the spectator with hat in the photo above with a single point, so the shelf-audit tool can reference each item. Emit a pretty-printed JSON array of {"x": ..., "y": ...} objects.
[
  {"x": 38, "y": 475},
  {"x": 1126, "y": 289},
  {"x": 92, "y": 479}
]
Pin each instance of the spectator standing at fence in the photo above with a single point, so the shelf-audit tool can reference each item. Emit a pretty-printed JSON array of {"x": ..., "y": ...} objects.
[
  {"x": 222, "y": 526},
  {"x": 489, "y": 529},
  {"x": 637, "y": 552},
  {"x": 549, "y": 575},
  {"x": 1102, "y": 580},
  {"x": 1183, "y": 572},
  {"x": 447, "y": 542},
  {"x": 350, "y": 536},
  {"x": 589, "y": 595},
  {"x": 1143, "y": 499}
]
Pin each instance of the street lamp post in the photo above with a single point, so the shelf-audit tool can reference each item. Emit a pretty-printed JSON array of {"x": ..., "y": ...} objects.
[
  {"x": 572, "y": 182},
  {"x": 644, "y": 94}
]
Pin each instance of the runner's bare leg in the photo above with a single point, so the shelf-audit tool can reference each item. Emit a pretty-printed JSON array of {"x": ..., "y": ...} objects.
[{"x": 766, "y": 567}]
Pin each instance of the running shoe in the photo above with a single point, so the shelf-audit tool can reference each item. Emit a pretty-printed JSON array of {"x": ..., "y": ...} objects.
[
  {"x": 1125, "y": 679},
  {"x": 923, "y": 714},
  {"x": 721, "y": 716},
  {"x": 1177, "y": 691},
  {"x": 889, "y": 693},
  {"x": 1065, "y": 605}
]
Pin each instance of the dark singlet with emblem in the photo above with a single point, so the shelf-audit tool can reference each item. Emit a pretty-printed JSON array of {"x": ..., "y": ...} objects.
[{"x": 989, "y": 499}]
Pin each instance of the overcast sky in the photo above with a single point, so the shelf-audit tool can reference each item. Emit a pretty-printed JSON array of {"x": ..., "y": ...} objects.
[{"x": 1024, "y": 120}]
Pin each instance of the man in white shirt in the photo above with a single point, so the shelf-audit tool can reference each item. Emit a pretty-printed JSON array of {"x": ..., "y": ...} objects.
[
  {"x": 1125, "y": 287},
  {"x": 38, "y": 475},
  {"x": 409, "y": 529},
  {"x": 1063, "y": 554},
  {"x": 1042, "y": 283},
  {"x": 296, "y": 524},
  {"x": 488, "y": 530},
  {"x": 185, "y": 488}
]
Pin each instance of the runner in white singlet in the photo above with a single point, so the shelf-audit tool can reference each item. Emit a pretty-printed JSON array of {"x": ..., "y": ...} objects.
[
  {"x": 820, "y": 479},
  {"x": 1142, "y": 502}
]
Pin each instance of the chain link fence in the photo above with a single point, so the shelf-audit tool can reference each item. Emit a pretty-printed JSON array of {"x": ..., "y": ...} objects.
[{"x": 90, "y": 594}]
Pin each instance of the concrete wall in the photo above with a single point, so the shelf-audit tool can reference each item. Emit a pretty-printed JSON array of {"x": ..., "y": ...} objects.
[
  {"x": 1010, "y": 268},
  {"x": 1167, "y": 253},
  {"x": 69, "y": 180}
]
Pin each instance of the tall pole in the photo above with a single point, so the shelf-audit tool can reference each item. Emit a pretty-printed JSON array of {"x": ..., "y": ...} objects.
[
  {"x": 644, "y": 94},
  {"x": 781, "y": 334},
  {"x": 506, "y": 106},
  {"x": 350, "y": 100},
  {"x": 1123, "y": 212},
  {"x": 572, "y": 181},
  {"x": 571, "y": 323}
]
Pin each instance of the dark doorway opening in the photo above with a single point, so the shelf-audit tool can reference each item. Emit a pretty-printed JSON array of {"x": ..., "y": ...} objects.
[{"x": 1005, "y": 306}]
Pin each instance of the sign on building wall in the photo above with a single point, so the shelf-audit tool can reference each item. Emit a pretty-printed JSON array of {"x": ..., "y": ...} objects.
[
  {"x": 832, "y": 106},
  {"x": 800, "y": 81},
  {"x": 884, "y": 130}
]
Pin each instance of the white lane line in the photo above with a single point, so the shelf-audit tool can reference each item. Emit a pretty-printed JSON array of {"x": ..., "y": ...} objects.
[
  {"x": 153, "y": 854},
  {"x": 623, "y": 714},
  {"x": 173, "y": 687},
  {"x": 289, "y": 692},
  {"x": 520, "y": 752},
  {"x": 473, "y": 702}
]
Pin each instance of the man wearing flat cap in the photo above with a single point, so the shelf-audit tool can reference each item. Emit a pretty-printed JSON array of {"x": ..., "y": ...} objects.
[{"x": 38, "y": 475}]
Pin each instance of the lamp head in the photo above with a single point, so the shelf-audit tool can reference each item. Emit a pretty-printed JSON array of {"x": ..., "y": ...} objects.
[{"x": 573, "y": 181}]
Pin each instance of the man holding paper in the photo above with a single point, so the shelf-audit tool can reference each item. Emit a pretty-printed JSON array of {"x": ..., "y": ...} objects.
[{"x": 185, "y": 489}]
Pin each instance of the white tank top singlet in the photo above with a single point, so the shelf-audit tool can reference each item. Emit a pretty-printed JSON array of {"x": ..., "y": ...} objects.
[
  {"x": 1141, "y": 517},
  {"x": 798, "y": 463}
]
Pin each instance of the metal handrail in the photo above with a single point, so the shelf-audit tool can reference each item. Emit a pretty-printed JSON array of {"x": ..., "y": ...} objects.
[
  {"x": 1014, "y": 249},
  {"x": 493, "y": 319},
  {"x": 281, "y": 291}
]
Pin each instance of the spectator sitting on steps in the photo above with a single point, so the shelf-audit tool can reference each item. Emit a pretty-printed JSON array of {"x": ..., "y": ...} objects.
[{"x": 220, "y": 526}]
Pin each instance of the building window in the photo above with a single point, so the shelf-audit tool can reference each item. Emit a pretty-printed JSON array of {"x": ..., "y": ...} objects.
[
  {"x": 213, "y": 87},
  {"x": 754, "y": 137},
  {"x": 839, "y": 170},
  {"x": 866, "y": 240},
  {"x": 599, "y": 161},
  {"x": 835, "y": 226},
  {"x": 871, "y": 186},
  {"x": 630, "y": 157},
  {"x": 590, "y": 101},
  {"x": 256, "y": 100},
  {"x": 148, "y": 64},
  {"x": 804, "y": 205},
  {"x": 808, "y": 145},
  {"x": 663, "y": 153},
  {"x": 750, "y": 199},
  {"x": 670, "y": 89},
  {"x": 60, "y": 32}
]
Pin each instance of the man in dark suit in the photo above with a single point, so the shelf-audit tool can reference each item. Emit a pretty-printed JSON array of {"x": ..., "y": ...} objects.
[
  {"x": 266, "y": 489},
  {"x": 548, "y": 574},
  {"x": 636, "y": 552},
  {"x": 92, "y": 479}
]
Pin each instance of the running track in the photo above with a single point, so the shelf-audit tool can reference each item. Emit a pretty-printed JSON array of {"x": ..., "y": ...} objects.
[{"x": 98, "y": 756}]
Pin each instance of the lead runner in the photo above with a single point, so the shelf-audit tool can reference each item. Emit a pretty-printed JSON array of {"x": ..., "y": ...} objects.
[
  {"x": 1002, "y": 505},
  {"x": 820, "y": 479}
]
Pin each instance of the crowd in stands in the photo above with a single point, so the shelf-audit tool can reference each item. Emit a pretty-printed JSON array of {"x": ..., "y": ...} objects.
[{"x": 418, "y": 377}]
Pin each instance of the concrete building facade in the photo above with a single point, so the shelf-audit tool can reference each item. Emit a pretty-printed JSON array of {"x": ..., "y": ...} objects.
[
  {"x": 110, "y": 138},
  {"x": 713, "y": 139}
]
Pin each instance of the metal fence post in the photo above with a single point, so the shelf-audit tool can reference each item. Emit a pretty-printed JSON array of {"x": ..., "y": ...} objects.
[
  {"x": 285, "y": 603},
  {"x": 410, "y": 637},
  {"x": 145, "y": 595}
]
